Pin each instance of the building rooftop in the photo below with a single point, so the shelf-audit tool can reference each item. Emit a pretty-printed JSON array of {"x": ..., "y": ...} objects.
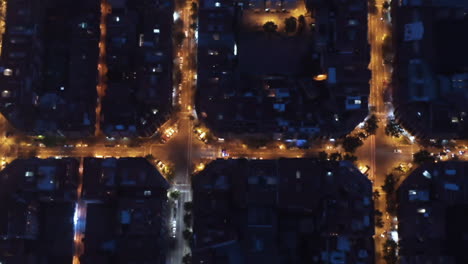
[
  {"x": 127, "y": 211},
  {"x": 433, "y": 205},
  {"x": 50, "y": 50},
  {"x": 430, "y": 76},
  {"x": 109, "y": 178},
  {"x": 298, "y": 85},
  {"x": 286, "y": 210},
  {"x": 54, "y": 178},
  {"x": 123, "y": 212},
  {"x": 139, "y": 61},
  {"x": 37, "y": 202}
]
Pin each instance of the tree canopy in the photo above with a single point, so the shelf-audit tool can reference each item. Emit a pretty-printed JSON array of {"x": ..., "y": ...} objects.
[
  {"x": 351, "y": 143},
  {"x": 349, "y": 157},
  {"x": 371, "y": 5},
  {"x": 371, "y": 125},
  {"x": 187, "y": 259},
  {"x": 389, "y": 184},
  {"x": 290, "y": 24},
  {"x": 322, "y": 156},
  {"x": 423, "y": 156},
  {"x": 378, "y": 218},
  {"x": 179, "y": 38},
  {"x": 376, "y": 195},
  {"x": 174, "y": 194},
  {"x": 389, "y": 249},
  {"x": 386, "y": 5},
  {"x": 301, "y": 23},
  {"x": 335, "y": 156},
  {"x": 194, "y": 7},
  {"x": 393, "y": 128},
  {"x": 270, "y": 27}
]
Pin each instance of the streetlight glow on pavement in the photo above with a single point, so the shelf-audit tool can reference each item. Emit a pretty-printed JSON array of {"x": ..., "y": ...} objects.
[{"x": 177, "y": 155}]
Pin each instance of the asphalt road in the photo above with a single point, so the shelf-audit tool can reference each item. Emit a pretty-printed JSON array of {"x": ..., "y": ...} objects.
[
  {"x": 180, "y": 148},
  {"x": 378, "y": 151},
  {"x": 185, "y": 151},
  {"x": 102, "y": 65}
]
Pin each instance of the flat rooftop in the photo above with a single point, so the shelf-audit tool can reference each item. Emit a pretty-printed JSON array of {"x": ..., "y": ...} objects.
[{"x": 263, "y": 54}]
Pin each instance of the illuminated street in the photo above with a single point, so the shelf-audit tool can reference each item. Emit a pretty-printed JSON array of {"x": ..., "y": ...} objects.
[
  {"x": 180, "y": 145},
  {"x": 102, "y": 66},
  {"x": 378, "y": 150},
  {"x": 3, "y": 4},
  {"x": 79, "y": 219}
]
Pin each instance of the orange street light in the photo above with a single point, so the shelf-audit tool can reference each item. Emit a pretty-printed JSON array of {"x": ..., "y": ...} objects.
[
  {"x": 200, "y": 167},
  {"x": 320, "y": 77}
]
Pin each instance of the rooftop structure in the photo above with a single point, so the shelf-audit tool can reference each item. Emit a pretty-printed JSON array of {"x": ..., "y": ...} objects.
[{"x": 282, "y": 211}]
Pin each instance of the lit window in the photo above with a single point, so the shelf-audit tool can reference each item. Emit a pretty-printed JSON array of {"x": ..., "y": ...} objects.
[
  {"x": 298, "y": 174},
  {"x": 217, "y": 4},
  {"x": 427, "y": 174},
  {"x": 212, "y": 52},
  {"x": 6, "y": 93},
  {"x": 7, "y": 72},
  {"x": 141, "y": 40},
  {"x": 175, "y": 16},
  {"x": 336, "y": 117}
]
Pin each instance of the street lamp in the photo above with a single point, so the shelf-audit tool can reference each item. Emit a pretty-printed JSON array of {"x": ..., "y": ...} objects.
[{"x": 320, "y": 77}]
